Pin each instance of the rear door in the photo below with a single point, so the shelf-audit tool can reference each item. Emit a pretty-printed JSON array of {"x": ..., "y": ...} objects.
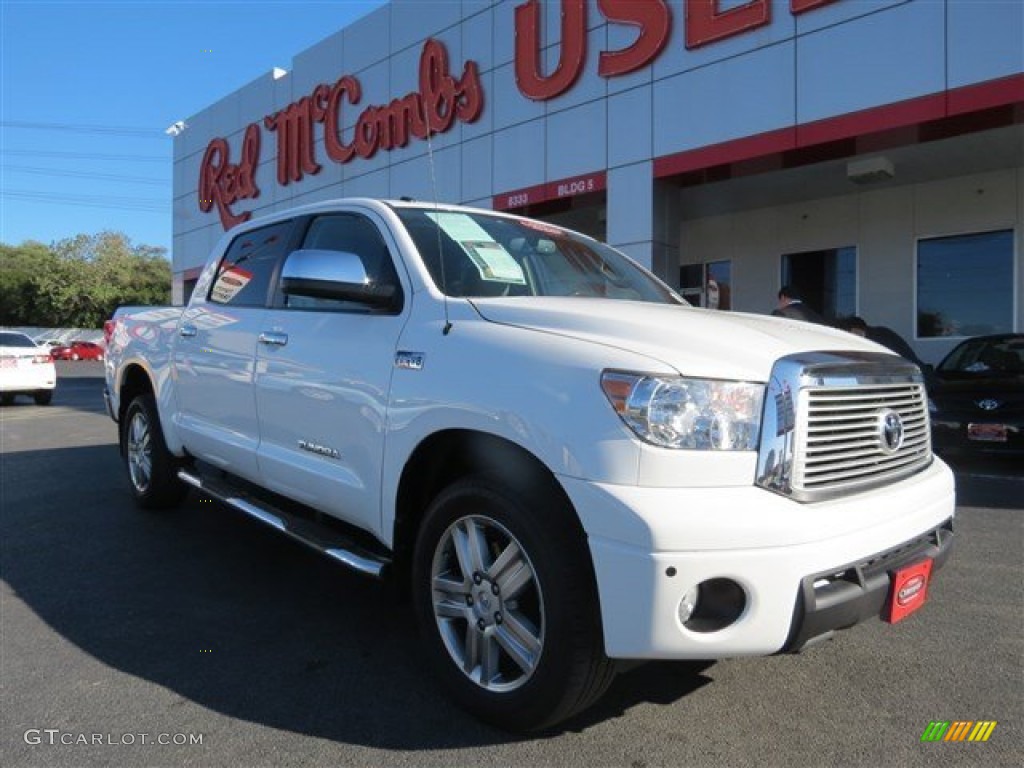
[
  {"x": 322, "y": 380},
  {"x": 215, "y": 352}
]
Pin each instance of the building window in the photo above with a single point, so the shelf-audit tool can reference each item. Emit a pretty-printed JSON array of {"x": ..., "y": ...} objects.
[
  {"x": 965, "y": 284},
  {"x": 707, "y": 285},
  {"x": 826, "y": 280}
]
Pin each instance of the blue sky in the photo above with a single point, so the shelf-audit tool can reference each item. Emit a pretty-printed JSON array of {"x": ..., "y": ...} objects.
[{"x": 88, "y": 88}]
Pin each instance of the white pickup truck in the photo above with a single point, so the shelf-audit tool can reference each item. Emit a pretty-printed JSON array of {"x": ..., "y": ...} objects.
[{"x": 561, "y": 461}]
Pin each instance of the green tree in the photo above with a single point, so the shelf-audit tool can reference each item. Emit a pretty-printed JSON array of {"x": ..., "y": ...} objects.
[{"x": 79, "y": 281}]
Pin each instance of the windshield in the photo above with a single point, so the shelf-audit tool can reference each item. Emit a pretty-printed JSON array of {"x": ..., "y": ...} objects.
[
  {"x": 1002, "y": 356},
  {"x": 487, "y": 255},
  {"x": 15, "y": 340}
]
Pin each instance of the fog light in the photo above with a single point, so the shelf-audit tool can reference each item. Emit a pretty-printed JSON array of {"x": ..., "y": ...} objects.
[
  {"x": 688, "y": 604},
  {"x": 716, "y": 604}
]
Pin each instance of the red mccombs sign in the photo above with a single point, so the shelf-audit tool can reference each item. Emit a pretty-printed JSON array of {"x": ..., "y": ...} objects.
[
  {"x": 440, "y": 101},
  {"x": 442, "y": 98},
  {"x": 704, "y": 23}
]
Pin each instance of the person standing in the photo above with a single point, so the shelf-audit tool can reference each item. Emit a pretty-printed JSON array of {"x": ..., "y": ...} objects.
[
  {"x": 880, "y": 334},
  {"x": 791, "y": 305}
]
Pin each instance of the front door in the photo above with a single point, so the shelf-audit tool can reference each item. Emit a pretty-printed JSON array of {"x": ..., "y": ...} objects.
[{"x": 322, "y": 383}]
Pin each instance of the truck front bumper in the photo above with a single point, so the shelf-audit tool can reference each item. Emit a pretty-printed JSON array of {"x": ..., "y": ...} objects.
[{"x": 773, "y": 574}]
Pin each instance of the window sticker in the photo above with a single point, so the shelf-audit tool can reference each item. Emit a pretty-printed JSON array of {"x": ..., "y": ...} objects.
[
  {"x": 229, "y": 283},
  {"x": 489, "y": 256}
]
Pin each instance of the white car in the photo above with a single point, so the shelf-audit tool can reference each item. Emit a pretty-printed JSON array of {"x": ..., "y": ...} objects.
[
  {"x": 25, "y": 369},
  {"x": 561, "y": 461}
]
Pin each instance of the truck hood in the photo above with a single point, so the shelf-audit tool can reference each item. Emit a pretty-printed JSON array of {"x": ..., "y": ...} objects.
[{"x": 695, "y": 342}]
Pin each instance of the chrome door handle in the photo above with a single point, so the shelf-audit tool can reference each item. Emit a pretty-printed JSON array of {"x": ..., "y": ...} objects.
[
  {"x": 274, "y": 338},
  {"x": 187, "y": 331}
]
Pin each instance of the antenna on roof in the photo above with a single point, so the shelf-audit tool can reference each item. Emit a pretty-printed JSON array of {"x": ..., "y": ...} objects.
[{"x": 437, "y": 227}]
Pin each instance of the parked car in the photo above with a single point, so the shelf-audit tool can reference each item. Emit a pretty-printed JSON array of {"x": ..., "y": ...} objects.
[
  {"x": 25, "y": 369},
  {"x": 977, "y": 398},
  {"x": 78, "y": 350}
]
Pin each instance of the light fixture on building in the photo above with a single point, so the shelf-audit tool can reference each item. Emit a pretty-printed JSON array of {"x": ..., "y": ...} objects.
[
  {"x": 870, "y": 170},
  {"x": 176, "y": 128}
]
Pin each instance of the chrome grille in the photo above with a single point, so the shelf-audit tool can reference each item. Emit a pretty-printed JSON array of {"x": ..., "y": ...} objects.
[
  {"x": 831, "y": 420},
  {"x": 839, "y": 442}
]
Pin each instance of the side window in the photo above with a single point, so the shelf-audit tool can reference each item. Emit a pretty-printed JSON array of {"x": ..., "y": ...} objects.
[
  {"x": 354, "y": 234},
  {"x": 245, "y": 272}
]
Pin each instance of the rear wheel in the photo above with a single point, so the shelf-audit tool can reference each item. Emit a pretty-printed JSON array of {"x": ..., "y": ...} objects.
[
  {"x": 152, "y": 469},
  {"x": 6, "y": 399},
  {"x": 43, "y": 396},
  {"x": 505, "y": 601}
]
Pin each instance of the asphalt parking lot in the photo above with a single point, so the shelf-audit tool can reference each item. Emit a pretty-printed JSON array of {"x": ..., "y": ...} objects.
[{"x": 126, "y": 629}]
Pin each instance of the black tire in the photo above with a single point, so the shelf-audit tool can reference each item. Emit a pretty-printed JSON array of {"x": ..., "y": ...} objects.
[
  {"x": 556, "y": 613},
  {"x": 43, "y": 396},
  {"x": 152, "y": 469},
  {"x": 6, "y": 399}
]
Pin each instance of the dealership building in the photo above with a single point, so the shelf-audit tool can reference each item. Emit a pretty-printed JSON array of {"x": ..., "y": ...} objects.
[{"x": 869, "y": 152}]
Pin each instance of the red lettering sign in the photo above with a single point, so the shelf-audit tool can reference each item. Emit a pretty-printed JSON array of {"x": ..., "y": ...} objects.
[
  {"x": 654, "y": 20},
  {"x": 554, "y": 190},
  {"x": 799, "y": 6},
  {"x": 705, "y": 23},
  {"x": 222, "y": 183},
  {"x": 571, "y": 56},
  {"x": 441, "y": 100}
]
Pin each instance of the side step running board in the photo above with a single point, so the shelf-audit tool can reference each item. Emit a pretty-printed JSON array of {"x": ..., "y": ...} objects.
[{"x": 325, "y": 540}]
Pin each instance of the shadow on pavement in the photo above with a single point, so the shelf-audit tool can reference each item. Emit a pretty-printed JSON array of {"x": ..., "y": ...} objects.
[
  {"x": 995, "y": 483},
  {"x": 234, "y": 617}
]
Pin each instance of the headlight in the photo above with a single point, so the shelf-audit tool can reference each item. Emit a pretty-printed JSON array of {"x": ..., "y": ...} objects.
[{"x": 677, "y": 412}]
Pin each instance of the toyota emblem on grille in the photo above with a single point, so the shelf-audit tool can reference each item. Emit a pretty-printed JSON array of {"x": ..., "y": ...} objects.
[
  {"x": 988, "y": 405},
  {"x": 890, "y": 432}
]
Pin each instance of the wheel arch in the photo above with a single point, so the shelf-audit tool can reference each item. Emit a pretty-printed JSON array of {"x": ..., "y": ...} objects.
[{"x": 445, "y": 456}]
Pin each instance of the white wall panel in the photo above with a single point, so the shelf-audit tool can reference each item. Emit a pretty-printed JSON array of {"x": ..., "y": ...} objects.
[
  {"x": 577, "y": 140},
  {"x": 322, "y": 63},
  {"x": 413, "y": 21},
  {"x": 519, "y": 156},
  {"x": 966, "y": 204},
  {"x": 508, "y": 104},
  {"x": 477, "y": 167},
  {"x": 478, "y": 39},
  {"x": 414, "y": 178},
  {"x": 629, "y": 126},
  {"x": 882, "y": 58},
  {"x": 986, "y": 40},
  {"x": 367, "y": 41},
  {"x": 256, "y": 100},
  {"x": 504, "y": 31},
  {"x": 844, "y": 10},
  {"x": 630, "y": 205},
  {"x": 744, "y": 96},
  {"x": 374, "y": 184},
  {"x": 677, "y": 58},
  {"x": 223, "y": 117}
]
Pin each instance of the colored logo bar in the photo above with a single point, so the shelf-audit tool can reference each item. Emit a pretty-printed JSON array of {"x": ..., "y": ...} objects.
[{"x": 958, "y": 730}]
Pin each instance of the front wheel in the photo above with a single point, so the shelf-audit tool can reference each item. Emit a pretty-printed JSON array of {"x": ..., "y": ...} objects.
[
  {"x": 504, "y": 597},
  {"x": 43, "y": 396},
  {"x": 152, "y": 469}
]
